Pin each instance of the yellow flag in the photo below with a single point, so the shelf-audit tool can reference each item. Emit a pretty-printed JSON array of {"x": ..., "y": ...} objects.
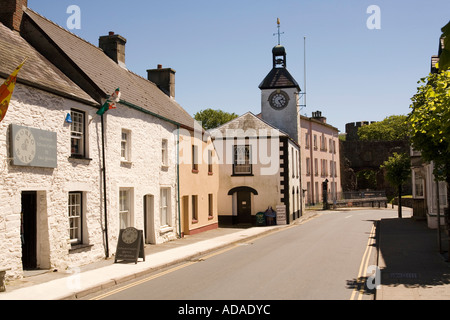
[
  {"x": 6, "y": 91},
  {"x": 278, "y": 21}
]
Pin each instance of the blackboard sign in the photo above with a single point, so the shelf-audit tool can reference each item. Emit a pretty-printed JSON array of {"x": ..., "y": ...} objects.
[
  {"x": 130, "y": 246},
  {"x": 281, "y": 215}
]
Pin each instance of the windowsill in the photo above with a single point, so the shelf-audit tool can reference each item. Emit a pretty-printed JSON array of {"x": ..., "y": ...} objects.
[
  {"x": 210, "y": 173},
  {"x": 210, "y": 217},
  {"x": 76, "y": 247},
  {"x": 75, "y": 157},
  {"x": 194, "y": 170},
  {"x": 126, "y": 163},
  {"x": 164, "y": 167},
  {"x": 194, "y": 221},
  {"x": 242, "y": 175},
  {"x": 165, "y": 229}
]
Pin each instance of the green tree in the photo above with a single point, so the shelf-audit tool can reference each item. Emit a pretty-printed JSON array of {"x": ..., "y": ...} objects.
[
  {"x": 429, "y": 123},
  {"x": 211, "y": 119},
  {"x": 398, "y": 171},
  {"x": 390, "y": 129}
]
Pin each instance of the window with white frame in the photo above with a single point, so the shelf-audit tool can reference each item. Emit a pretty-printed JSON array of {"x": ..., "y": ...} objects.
[
  {"x": 124, "y": 208},
  {"x": 75, "y": 207},
  {"x": 125, "y": 146},
  {"x": 165, "y": 152},
  {"x": 77, "y": 134},
  {"x": 164, "y": 207},
  {"x": 242, "y": 160}
]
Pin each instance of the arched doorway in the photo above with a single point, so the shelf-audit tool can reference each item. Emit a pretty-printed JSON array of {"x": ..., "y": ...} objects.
[{"x": 244, "y": 204}]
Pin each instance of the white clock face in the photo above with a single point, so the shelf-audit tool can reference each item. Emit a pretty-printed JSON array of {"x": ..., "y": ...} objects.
[
  {"x": 129, "y": 235},
  {"x": 279, "y": 100},
  {"x": 25, "y": 146}
]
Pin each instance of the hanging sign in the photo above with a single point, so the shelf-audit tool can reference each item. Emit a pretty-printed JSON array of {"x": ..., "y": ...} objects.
[{"x": 130, "y": 246}]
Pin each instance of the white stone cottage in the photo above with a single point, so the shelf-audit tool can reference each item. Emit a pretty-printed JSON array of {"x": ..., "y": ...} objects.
[
  {"x": 34, "y": 223},
  {"x": 67, "y": 200}
]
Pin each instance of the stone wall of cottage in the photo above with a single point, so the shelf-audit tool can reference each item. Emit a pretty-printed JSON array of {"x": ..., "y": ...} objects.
[
  {"x": 37, "y": 109},
  {"x": 143, "y": 175}
]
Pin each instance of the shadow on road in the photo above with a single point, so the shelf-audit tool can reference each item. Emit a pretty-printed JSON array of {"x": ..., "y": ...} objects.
[{"x": 409, "y": 254}]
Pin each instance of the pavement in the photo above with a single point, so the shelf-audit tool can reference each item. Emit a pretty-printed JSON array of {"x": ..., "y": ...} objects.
[
  {"x": 412, "y": 268},
  {"x": 411, "y": 263}
]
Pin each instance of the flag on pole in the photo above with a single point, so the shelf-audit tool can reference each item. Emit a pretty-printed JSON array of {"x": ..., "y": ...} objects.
[
  {"x": 6, "y": 91},
  {"x": 110, "y": 102}
]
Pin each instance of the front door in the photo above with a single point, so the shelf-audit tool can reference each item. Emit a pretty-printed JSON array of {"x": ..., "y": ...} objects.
[
  {"x": 29, "y": 230},
  {"x": 149, "y": 219},
  {"x": 244, "y": 207}
]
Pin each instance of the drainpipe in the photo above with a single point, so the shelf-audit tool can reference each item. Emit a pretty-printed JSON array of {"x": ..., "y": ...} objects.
[
  {"x": 178, "y": 180},
  {"x": 104, "y": 191}
]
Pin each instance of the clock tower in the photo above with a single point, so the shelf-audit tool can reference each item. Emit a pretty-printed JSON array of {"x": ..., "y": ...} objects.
[{"x": 279, "y": 96}]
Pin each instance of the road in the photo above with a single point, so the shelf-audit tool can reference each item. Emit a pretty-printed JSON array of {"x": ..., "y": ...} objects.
[{"x": 325, "y": 258}]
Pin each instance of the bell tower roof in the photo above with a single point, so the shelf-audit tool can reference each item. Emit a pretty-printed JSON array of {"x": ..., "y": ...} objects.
[{"x": 279, "y": 76}]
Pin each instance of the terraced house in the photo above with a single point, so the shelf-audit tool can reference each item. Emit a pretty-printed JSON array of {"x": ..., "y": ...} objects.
[{"x": 101, "y": 173}]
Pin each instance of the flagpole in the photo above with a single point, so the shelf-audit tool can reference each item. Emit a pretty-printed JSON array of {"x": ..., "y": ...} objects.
[{"x": 104, "y": 189}]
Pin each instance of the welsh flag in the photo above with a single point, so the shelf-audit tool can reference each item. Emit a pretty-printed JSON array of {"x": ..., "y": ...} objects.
[
  {"x": 6, "y": 91},
  {"x": 110, "y": 102}
]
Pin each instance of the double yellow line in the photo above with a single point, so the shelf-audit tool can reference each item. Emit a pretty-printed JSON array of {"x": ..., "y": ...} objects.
[
  {"x": 160, "y": 274},
  {"x": 358, "y": 292}
]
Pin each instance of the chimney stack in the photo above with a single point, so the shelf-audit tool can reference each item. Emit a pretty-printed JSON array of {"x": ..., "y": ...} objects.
[
  {"x": 114, "y": 47},
  {"x": 164, "y": 78},
  {"x": 11, "y": 13},
  {"x": 318, "y": 116}
]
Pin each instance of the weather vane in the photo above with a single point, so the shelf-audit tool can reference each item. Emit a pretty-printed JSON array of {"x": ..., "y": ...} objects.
[{"x": 278, "y": 33}]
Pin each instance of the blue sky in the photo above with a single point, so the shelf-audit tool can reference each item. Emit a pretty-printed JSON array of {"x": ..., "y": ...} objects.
[{"x": 221, "y": 50}]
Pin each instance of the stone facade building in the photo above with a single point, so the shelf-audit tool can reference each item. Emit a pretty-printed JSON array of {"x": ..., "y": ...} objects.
[
  {"x": 260, "y": 155},
  {"x": 321, "y": 159},
  {"x": 105, "y": 173}
]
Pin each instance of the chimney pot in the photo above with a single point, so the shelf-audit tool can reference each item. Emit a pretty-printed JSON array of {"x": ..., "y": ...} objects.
[
  {"x": 111, "y": 33},
  {"x": 159, "y": 66}
]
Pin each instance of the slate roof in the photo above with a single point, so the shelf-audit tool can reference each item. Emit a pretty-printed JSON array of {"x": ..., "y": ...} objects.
[
  {"x": 279, "y": 78},
  {"x": 107, "y": 75},
  {"x": 37, "y": 71}
]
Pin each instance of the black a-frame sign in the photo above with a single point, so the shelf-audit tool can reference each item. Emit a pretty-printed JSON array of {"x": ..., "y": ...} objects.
[{"x": 130, "y": 245}]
